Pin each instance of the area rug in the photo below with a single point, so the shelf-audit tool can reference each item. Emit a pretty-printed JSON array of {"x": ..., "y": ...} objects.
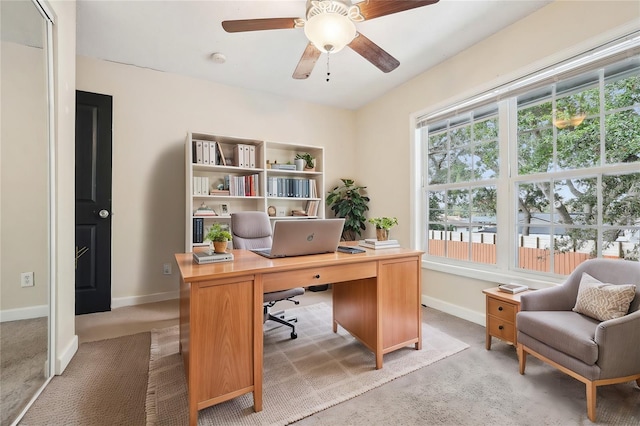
[{"x": 317, "y": 370}]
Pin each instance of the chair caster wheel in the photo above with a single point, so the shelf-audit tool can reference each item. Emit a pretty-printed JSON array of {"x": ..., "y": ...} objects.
[{"x": 294, "y": 335}]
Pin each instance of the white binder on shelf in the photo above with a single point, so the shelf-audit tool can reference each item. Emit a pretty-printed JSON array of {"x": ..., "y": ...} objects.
[
  {"x": 239, "y": 155},
  {"x": 196, "y": 185},
  {"x": 198, "y": 152},
  {"x": 252, "y": 156},
  {"x": 205, "y": 152}
]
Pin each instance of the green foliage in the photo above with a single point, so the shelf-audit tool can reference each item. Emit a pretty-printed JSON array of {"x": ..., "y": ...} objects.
[
  {"x": 384, "y": 222},
  {"x": 465, "y": 149},
  {"x": 348, "y": 201},
  {"x": 574, "y": 201},
  {"x": 218, "y": 234},
  {"x": 308, "y": 159}
]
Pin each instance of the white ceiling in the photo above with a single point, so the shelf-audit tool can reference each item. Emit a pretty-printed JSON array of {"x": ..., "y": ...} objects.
[{"x": 180, "y": 37}]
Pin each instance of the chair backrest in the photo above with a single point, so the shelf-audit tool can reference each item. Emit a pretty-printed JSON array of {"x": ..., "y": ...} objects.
[
  {"x": 612, "y": 271},
  {"x": 251, "y": 230}
]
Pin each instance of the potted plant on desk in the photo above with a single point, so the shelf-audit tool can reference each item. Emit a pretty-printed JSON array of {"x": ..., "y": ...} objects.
[
  {"x": 219, "y": 236},
  {"x": 383, "y": 225}
]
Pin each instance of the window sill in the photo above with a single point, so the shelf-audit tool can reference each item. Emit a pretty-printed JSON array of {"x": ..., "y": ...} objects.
[{"x": 493, "y": 275}]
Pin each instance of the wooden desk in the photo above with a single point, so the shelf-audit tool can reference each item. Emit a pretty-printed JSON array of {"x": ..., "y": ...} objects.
[{"x": 376, "y": 297}]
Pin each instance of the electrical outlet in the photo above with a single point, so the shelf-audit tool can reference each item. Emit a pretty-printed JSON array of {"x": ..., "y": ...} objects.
[
  {"x": 166, "y": 269},
  {"x": 26, "y": 279}
]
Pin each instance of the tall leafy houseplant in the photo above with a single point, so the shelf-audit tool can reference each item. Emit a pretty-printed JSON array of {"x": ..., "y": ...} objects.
[{"x": 348, "y": 201}]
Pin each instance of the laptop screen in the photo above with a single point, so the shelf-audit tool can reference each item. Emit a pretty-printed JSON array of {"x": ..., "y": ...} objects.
[{"x": 306, "y": 236}]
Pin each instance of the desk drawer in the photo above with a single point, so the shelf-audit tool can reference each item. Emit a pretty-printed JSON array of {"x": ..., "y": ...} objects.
[
  {"x": 317, "y": 276},
  {"x": 501, "y": 309},
  {"x": 502, "y": 329}
]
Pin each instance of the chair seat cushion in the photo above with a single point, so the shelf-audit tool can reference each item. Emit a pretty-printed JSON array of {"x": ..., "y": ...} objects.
[
  {"x": 282, "y": 295},
  {"x": 603, "y": 301},
  {"x": 565, "y": 331}
]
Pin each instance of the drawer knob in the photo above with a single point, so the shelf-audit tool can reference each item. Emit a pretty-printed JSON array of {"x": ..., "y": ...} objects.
[
  {"x": 499, "y": 308},
  {"x": 317, "y": 276},
  {"x": 501, "y": 327}
]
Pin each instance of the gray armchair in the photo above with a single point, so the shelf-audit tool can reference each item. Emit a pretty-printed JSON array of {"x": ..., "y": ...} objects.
[
  {"x": 252, "y": 230},
  {"x": 594, "y": 352}
]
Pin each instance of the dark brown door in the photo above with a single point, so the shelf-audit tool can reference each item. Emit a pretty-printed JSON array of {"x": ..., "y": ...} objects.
[{"x": 93, "y": 202}]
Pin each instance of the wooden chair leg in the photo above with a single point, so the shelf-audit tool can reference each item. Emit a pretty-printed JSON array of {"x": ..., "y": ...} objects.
[
  {"x": 591, "y": 401},
  {"x": 522, "y": 358}
]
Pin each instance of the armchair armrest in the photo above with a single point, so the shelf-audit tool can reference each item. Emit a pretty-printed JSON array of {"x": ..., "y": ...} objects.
[
  {"x": 618, "y": 343},
  {"x": 548, "y": 299}
]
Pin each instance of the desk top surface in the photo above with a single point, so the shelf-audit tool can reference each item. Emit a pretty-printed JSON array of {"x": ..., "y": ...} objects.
[{"x": 247, "y": 262}]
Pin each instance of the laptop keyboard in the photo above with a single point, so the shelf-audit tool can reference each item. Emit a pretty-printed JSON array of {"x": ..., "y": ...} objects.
[{"x": 266, "y": 252}]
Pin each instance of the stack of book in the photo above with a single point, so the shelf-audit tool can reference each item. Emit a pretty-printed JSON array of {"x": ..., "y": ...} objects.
[
  {"x": 513, "y": 288},
  {"x": 375, "y": 244},
  {"x": 277, "y": 166},
  {"x": 208, "y": 256},
  {"x": 204, "y": 210}
]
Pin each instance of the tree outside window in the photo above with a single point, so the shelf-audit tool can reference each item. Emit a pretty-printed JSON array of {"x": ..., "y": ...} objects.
[{"x": 574, "y": 186}]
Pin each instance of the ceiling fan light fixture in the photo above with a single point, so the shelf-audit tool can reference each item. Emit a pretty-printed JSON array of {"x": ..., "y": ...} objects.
[{"x": 330, "y": 31}]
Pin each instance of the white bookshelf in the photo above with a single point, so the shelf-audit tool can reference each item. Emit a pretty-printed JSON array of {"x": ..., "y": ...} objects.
[{"x": 266, "y": 154}]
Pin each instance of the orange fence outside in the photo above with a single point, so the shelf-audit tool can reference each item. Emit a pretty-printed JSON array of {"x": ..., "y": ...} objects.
[{"x": 528, "y": 258}]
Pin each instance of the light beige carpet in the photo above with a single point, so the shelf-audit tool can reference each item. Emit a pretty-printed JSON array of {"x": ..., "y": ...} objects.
[
  {"x": 301, "y": 377},
  {"x": 23, "y": 354},
  {"x": 104, "y": 384}
]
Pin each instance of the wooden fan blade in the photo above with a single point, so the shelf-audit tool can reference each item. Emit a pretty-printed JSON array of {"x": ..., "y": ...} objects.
[
  {"x": 242, "y": 25},
  {"x": 373, "y": 53},
  {"x": 375, "y": 8},
  {"x": 307, "y": 62}
]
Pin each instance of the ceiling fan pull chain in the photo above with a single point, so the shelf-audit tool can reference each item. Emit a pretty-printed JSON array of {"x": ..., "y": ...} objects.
[{"x": 328, "y": 73}]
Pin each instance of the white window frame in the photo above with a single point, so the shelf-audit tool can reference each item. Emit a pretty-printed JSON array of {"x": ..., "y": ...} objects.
[{"x": 501, "y": 272}]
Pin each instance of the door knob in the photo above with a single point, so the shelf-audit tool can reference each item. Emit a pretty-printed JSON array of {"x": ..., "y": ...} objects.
[{"x": 103, "y": 214}]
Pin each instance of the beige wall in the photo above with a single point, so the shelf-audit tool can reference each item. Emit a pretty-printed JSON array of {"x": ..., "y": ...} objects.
[
  {"x": 152, "y": 113},
  {"x": 24, "y": 181},
  {"x": 554, "y": 33}
]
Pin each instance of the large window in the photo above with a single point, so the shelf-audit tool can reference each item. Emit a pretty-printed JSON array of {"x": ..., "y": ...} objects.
[
  {"x": 569, "y": 186},
  {"x": 463, "y": 166}
]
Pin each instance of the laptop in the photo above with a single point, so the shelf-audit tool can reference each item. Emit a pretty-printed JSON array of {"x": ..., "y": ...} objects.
[{"x": 302, "y": 237}]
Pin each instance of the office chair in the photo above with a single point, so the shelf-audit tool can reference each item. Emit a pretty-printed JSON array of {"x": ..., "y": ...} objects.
[{"x": 252, "y": 230}]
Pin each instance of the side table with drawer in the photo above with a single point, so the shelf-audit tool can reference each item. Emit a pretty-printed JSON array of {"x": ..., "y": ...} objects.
[{"x": 501, "y": 315}]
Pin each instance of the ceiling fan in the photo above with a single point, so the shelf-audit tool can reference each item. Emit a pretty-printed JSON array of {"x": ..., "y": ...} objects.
[{"x": 330, "y": 26}]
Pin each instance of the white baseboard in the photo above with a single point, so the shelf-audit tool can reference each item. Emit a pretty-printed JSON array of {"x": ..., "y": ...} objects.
[
  {"x": 119, "y": 302},
  {"x": 450, "y": 308},
  {"x": 24, "y": 313},
  {"x": 65, "y": 358}
]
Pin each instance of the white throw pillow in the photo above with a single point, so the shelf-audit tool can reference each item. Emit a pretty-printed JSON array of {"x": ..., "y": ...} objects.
[{"x": 603, "y": 301}]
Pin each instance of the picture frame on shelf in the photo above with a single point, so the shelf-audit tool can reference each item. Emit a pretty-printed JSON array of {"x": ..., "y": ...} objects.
[{"x": 225, "y": 210}]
